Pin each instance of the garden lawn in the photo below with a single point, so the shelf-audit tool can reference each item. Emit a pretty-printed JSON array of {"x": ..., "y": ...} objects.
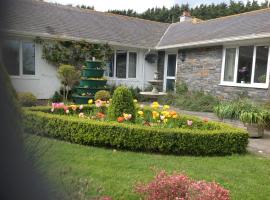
[{"x": 246, "y": 176}]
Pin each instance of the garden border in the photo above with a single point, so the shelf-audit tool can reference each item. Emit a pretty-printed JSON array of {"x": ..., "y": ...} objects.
[{"x": 226, "y": 141}]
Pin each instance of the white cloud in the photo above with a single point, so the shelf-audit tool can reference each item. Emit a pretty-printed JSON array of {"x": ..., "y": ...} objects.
[{"x": 104, "y": 5}]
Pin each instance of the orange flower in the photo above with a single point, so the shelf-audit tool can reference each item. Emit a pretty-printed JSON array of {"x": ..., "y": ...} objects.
[
  {"x": 205, "y": 120},
  {"x": 120, "y": 119},
  {"x": 100, "y": 115}
]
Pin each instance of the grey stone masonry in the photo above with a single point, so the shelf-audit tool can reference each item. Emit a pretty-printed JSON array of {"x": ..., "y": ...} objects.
[{"x": 201, "y": 70}]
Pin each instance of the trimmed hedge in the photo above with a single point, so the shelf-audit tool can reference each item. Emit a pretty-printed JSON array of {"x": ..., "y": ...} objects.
[{"x": 224, "y": 141}]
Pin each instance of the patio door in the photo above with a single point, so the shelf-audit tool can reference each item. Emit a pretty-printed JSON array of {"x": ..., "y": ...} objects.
[{"x": 170, "y": 72}]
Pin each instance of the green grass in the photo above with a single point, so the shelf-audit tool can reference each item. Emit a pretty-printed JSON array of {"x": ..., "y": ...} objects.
[{"x": 246, "y": 176}]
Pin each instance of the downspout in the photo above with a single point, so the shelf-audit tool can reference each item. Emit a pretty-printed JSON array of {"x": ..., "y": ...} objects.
[{"x": 143, "y": 69}]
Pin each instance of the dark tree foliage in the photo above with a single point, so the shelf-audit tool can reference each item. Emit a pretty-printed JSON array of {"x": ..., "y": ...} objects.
[
  {"x": 203, "y": 11},
  {"x": 86, "y": 7}
]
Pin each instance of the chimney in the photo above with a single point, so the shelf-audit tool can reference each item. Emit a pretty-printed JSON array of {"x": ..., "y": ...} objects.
[{"x": 186, "y": 17}]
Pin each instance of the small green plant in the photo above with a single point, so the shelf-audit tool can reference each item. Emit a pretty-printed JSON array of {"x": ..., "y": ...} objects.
[
  {"x": 233, "y": 109},
  {"x": 102, "y": 95},
  {"x": 259, "y": 117},
  {"x": 181, "y": 88},
  {"x": 122, "y": 102},
  {"x": 57, "y": 97},
  {"x": 27, "y": 99},
  {"x": 69, "y": 76}
]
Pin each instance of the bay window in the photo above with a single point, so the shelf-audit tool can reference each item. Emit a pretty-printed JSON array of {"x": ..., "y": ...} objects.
[
  {"x": 122, "y": 65},
  {"x": 19, "y": 57},
  {"x": 246, "y": 66}
]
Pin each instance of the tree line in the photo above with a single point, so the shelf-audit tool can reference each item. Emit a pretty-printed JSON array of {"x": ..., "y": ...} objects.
[{"x": 203, "y": 11}]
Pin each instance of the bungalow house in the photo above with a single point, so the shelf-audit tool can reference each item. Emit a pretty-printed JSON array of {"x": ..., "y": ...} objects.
[{"x": 223, "y": 56}]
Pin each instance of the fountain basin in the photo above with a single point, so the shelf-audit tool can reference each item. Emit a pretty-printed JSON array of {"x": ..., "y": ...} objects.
[
  {"x": 93, "y": 83},
  {"x": 93, "y": 64},
  {"x": 81, "y": 99},
  {"x": 92, "y": 73}
]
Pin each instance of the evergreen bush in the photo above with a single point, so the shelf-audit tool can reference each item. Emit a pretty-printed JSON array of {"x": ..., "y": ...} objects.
[
  {"x": 122, "y": 102},
  {"x": 27, "y": 99},
  {"x": 102, "y": 95}
]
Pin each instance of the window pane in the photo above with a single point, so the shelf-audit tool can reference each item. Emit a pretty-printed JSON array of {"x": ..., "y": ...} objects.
[
  {"x": 245, "y": 64},
  {"x": 121, "y": 63},
  {"x": 10, "y": 56},
  {"x": 28, "y": 58},
  {"x": 171, "y": 65},
  {"x": 110, "y": 67},
  {"x": 132, "y": 65},
  {"x": 229, "y": 64},
  {"x": 170, "y": 85},
  {"x": 261, "y": 64}
]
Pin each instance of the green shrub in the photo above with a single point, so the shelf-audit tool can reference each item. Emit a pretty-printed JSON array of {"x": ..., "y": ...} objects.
[
  {"x": 102, "y": 95},
  {"x": 27, "y": 99},
  {"x": 136, "y": 93},
  {"x": 232, "y": 109},
  {"x": 181, "y": 88},
  {"x": 57, "y": 97},
  {"x": 196, "y": 101},
  {"x": 122, "y": 102},
  {"x": 222, "y": 141}
]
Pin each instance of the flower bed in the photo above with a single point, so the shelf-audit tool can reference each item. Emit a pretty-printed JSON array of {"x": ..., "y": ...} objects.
[{"x": 156, "y": 129}]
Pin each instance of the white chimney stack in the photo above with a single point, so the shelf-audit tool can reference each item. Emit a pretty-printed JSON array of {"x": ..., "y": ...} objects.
[{"x": 186, "y": 17}]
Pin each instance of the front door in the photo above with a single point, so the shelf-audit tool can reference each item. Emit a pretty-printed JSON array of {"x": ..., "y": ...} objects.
[{"x": 170, "y": 72}]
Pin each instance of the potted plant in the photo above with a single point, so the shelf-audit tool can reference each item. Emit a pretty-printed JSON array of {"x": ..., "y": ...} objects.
[{"x": 255, "y": 121}]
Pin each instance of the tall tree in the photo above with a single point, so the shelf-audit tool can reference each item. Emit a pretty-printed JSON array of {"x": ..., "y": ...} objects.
[{"x": 203, "y": 11}]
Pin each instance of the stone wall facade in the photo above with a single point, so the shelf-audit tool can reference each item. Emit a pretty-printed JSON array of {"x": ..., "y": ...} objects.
[{"x": 201, "y": 70}]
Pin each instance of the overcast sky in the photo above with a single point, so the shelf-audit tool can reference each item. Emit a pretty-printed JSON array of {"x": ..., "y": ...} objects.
[{"x": 138, "y": 5}]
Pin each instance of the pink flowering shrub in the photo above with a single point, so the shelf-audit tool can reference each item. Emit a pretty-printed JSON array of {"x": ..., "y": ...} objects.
[{"x": 180, "y": 187}]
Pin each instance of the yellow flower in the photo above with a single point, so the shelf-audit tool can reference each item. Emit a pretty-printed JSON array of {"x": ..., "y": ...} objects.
[
  {"x": 135, "y": 100},
  {"x": 127, "y": 116},
  {"x": 155, "y": 105},
  {"x": 166, "y": 107},
  {"x": 155, "y": 114},
  {"x": 165, "y": 120},
  {"x": 90, "y": 101},
  {"x": 166, "y": 113},
  {"x": 73, "y": 107},
  {"x": 140, "y": 112},
  {"x": 174, "y": 116}
]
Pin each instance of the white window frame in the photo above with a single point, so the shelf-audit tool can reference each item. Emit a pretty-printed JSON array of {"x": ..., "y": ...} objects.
[
  {"x": 127, "y": 65},
  {"x": 165, "y": 77},
  {"x": 21, "y": 75},
  {"x": 248, "y": 85}
]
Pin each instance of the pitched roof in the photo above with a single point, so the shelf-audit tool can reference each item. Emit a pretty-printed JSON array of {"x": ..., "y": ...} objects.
[
  {"x": 37, "y": 18},
  {"x": 47, "y": 19},
  {"x": 220, "y": 29}
]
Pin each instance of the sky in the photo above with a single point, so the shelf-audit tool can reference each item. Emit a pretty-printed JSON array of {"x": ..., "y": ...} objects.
[{"x": 138, "y": 5}]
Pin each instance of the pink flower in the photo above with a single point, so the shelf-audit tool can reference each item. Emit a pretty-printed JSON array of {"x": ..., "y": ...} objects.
[
  {"x": 81, "y": 107},
  {"x": 98, "y": 103},
  {"x": 189, "y": 122}
]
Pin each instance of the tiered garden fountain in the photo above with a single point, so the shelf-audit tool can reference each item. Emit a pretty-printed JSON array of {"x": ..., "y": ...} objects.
[{"x": 91, "y": 81}]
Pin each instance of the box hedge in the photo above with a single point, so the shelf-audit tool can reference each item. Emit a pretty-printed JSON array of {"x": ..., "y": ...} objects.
[{"x": 222, "y": 141}]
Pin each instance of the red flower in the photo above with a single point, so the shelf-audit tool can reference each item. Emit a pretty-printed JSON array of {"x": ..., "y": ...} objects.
[{"x": 120, "y": 119}]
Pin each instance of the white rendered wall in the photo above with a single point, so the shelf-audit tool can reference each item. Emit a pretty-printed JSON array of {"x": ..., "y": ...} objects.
[{"x": 44, "y": 83}]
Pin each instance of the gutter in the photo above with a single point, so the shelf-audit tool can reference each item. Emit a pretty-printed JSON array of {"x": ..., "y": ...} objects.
[{"x": 215, "y": 41}]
